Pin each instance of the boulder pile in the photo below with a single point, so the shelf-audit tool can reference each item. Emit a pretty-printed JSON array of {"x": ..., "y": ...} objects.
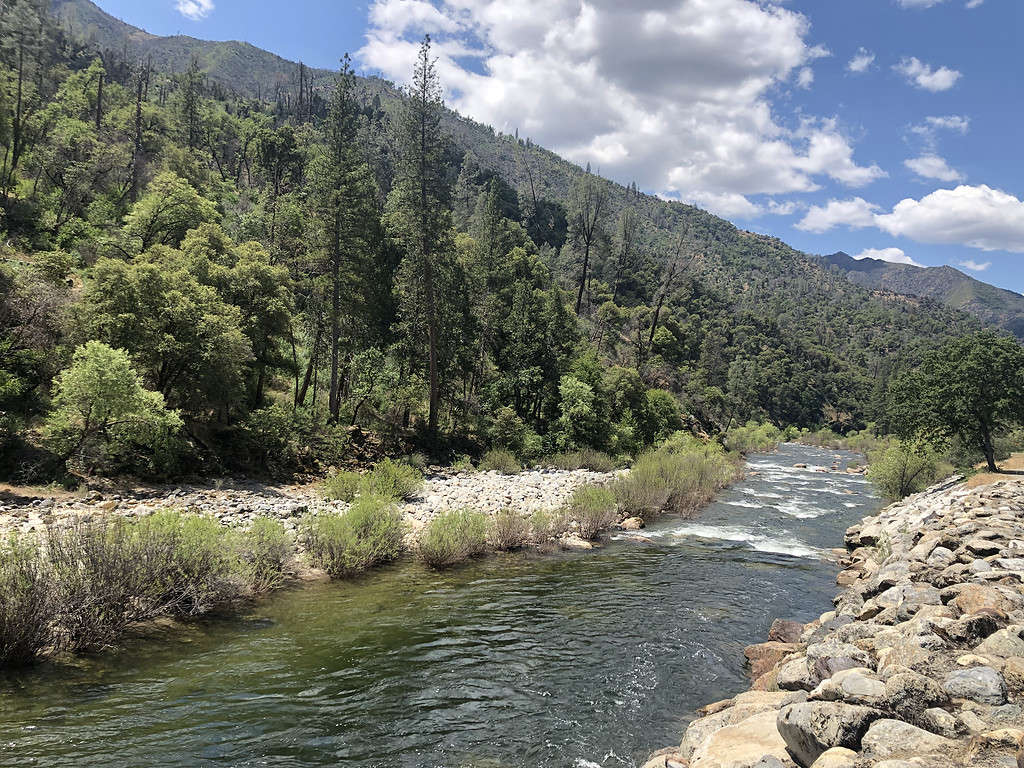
[{"x": 919, "y": 665}]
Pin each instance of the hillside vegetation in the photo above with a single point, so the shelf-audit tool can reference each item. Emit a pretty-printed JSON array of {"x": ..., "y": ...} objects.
[{"x": 198, "y": 279}]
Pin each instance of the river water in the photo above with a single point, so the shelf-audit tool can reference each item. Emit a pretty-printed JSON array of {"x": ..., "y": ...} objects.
[{"x": 585, "y": 659}]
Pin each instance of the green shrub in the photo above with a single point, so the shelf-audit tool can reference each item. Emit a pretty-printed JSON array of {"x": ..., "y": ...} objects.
[
  {"x": 753, "y": 438},
  {"x": 417, "y": 461},
  {"x": 509, "y": 530},
  {"x": 679, "y": 481},
  {"x": 368, "y": 533},
  {"x": 596, "y": 461},
  {"x": 395, "y": 479},
  {"x": 463, "y": 464},
  {"x": 593, "y": 509},
  {"x": 508, "y": 430},
  {"x": 547, "y": 524},
  {"x": 343, "y": 486},
  {"x": 265, "y": 549},
  {"x": 502, "y": 461},
  {"x": 453, "y": 537},
  {"x": 28, "y": 602},
  {"x": 904, "y": 469}
]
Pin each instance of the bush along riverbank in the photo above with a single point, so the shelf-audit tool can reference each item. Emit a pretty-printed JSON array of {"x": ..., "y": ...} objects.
[
  {"x": 76, "y": 577},
  {"x": 919, "y": 665}
]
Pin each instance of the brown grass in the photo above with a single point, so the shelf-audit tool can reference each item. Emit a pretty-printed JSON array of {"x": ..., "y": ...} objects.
[{"x": 1011, "y": 467}]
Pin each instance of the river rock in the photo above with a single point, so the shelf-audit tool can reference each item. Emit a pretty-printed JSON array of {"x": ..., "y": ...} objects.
[
  {"x": 981, "y": 684},
  {"x": 1005, "y": 643},
  {"x": 812, "y": 728},
  {"x": 1013, "y": 674},
  {"x": 837, "y": 757},
  {"x": 784, "y": 631},
  {"x": 853, "y": 686},
  {"x": 764, "y": 656},
  {"x": 894, "y": 738},
  {"x": 743, "y": 745}
]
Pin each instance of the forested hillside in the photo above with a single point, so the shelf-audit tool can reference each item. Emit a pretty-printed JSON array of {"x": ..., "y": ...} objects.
[
  {"x": 199, "y": 276},
  {"x": 995, "y": 306}
]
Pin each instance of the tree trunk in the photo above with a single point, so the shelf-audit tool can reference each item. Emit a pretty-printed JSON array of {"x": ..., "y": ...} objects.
[
  {"x": 99, "y": 104},
  {"x": 990, "y": 450},
  {"x": 583, "y": 277},
  {"x": 300, "y": 398},
  {"x": 428, "y": 285},
  {"x": 335, "y": 398}
]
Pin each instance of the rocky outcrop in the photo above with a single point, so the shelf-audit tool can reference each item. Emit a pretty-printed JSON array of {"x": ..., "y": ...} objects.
[{"x": 919, "y": 665}]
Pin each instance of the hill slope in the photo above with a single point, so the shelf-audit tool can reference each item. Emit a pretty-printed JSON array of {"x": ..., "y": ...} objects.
[{"x": 951, "y": 287}]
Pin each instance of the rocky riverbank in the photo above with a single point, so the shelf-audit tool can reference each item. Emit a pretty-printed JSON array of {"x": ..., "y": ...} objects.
[
  {"x": 920, "y": 664},
  {"x": 239, "y": 504}
]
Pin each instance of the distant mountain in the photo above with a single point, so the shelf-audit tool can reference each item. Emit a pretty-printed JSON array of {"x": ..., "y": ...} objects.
[{"x": 995, "y": 306}]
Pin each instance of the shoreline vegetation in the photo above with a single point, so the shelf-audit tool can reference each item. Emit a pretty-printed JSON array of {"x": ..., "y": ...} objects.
[{"x": 79, "y": 588}]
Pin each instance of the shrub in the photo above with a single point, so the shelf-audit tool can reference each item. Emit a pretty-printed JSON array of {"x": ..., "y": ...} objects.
[
  {"x": 509, "y": 530},
  {"x": 508, "y": 430},
  {"x": 596, "y": 461},
  {"x": 904, "y": 469},
  {"x": 27, "y": 602},
  {"x": 343, "y": 486},
  {"x": 265, "y": 548},
  {"x": 753, "y": 438},
  {"x": 369, "y": 533},
  {"x": 395, "y": 479},
  {"x": 681, "y": 481},
  {"x": 546, "y": 525},
  {"x": 463, "y": 464},
  {"x": 593, "y": 509},
  {"x": 453, "y": 537},
  {"x": 502, "y": 461}
]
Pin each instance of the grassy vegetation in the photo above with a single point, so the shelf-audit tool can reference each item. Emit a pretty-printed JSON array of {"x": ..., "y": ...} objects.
[
  {"x": 393, "y": 479},
  {"x": 82, "y": 587},
  {"x": 678, "y": 479},
  {"x": 596, "y": 461},
  {"x": 368, "y": 533},
  {"x": 547, "y": 525},
  {"x": 753, "y": 438},
  {"x": 499, "y": 460},
  {"x": 509, "y": 530},
  {"x": 593, "y": 509},
  {"x": 453, "y": 537},
  {"x": 903, "y": 469}
]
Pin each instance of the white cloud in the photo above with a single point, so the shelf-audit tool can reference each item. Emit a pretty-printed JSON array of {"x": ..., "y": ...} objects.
[
  {"x": 861, "y": 61},
  {"x": 651, "y": 91},
  {"x": 918, "y": 3},
  {"x": 975, "y": 216},
  {"x": 979, "y": 217},
  {"x": 924, "y": 76},
  {"x": 855, "y": 214},
  {"x": 933, "y": 167},
  {"x": 973, "y": 265},
  {"x": 728, "y": 205},
  {"x": 892, "y": 255},
  {"x": 194, "y": 9},
  {"x": 974, "y": 3}
]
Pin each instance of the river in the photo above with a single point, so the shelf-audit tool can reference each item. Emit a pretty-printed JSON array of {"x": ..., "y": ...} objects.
[{"x": 521, "y": 661}]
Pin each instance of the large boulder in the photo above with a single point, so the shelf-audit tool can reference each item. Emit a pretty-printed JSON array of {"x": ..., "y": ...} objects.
[
  {"x": 826, "y": 658},
  {"x": 894, "y": 738},
  {"x": 854, "y": 686},
  {"x": 908, "y": 695},
  {"x": 811, "y": 728},
  {"x": 764, "y": 656},
  {"x": 1005, "y": 643},
  {"x": 981, "y": 684},
  {"x": 784, "y": 631},
  {"x": 743, "y": 745},
  {"x": 837, "y": 757}
]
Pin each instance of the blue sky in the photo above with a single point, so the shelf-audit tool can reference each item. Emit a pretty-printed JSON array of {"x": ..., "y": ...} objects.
[{"x": 879, "y": 127}]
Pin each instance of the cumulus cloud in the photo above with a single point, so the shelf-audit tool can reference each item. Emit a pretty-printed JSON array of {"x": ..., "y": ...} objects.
[
  {"x": 922, "y": 75},
  {"x": 892, "y": 255},
  {"x": 918, "y": 3},
  {"x": 933, "y": 167},
  {"x": 975, "y": 216},
  {"x": 861, "y": 61},
  {"x": 194, "y": 9},
  {"x": 973, "y": 265},
  {"x": 857, "y": 213},
  {"x": 651, "y": 91}
]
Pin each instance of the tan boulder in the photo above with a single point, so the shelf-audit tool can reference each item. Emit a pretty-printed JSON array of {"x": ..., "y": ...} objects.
[
  {"x": 1013, "y": 673},
  {"x": 742, "y": 745},
  {"x": 764, "y": 656},
  {"x": 837, "y": 757}
]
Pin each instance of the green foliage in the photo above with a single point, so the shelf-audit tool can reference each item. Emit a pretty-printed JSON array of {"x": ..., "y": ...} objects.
[
  {"x": 369, "y": 533},
  {"x": 971, "y": 388},
  {"x": 508, "y": 430},
  {"x": 593, "y": 509},
  {"x": 596, "y": 461},
  {"x": 28, "y": 602},
  {"x": 104, "y": 417},
  {"x": 753, "y": 438},
  {"x": 500, "y": 461},
  {"x": 547, "y": 525},
  {"x": 508, "y": 530},
  {"x": 394, "y": 479},
  {"x": 168, "y": 210},
  {"x": 680, "y": 480},
  {"x": 453, "y": 537},
  {"x": 343, "y": 486},
  {"x": 265, "y": 549},
  {"x": 906, "y": 468}
]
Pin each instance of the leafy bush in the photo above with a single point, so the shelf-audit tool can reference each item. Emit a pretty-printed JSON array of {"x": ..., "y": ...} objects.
[
  {"x": 463, "y": 464},
  {"x": 546, "y": 525},
  {"x": 508, "y": 430},
  {"x": 904, "y": 469},
  {"x": 593, "y": 509},
  {"x": 265, "y": 548},
  {"x": 509, "y": 530},
  {"x": 28, "y": 602},
  {"x": 395, "y": 479},
  {"x": 596, "y": 461},
  {"x": 753, "y": 438},
  {"x": 369, "y": 533},
  {"x": 680, "y": 481},
  {"x": 453, "y": 537},
  {"x": 343, "y": 486},
  {"x": 502, "y": 461}
]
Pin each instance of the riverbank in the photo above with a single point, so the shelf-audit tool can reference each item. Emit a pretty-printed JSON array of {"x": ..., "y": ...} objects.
[{"x": 920, "y": 664}]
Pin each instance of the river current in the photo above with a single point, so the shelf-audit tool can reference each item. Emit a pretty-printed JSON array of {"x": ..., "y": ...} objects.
[{"x": 521, "y": 661}]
